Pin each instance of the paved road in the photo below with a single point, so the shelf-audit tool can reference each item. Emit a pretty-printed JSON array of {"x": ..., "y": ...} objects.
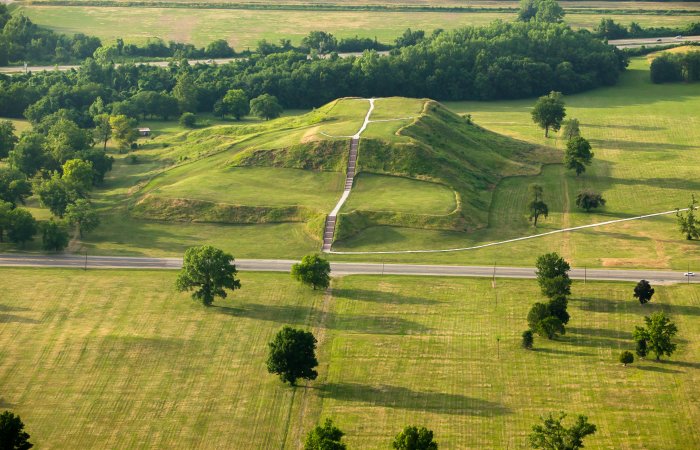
[
  {"x": 63, "y": 68},
  {"x": 338, "y": 268},
  {"x": 650, "y": 42}
]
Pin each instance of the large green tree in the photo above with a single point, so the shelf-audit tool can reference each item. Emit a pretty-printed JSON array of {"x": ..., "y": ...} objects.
[
  {"x": 293, "y": 355},
  {"x": 537, "y": 207},
  {"x": 78, "y": 175},
  {"x": 541, "y": 11},
  {"x": 7, "y": 138},
  {"x": 14, "y": 186},
  {"x": 54, "y": 194},
  {"x": 82, "y": 215},
  {"x": 578, "y": 154},
  {"x": 549, "y": 112},
  {"x": 12, "y": 434},
  {"x": 414, "y": 438},
  {"x": 643, "y": 291},
  {"x": 54, "y": 236},
  {"x": 22, "y": 226},
  {"x": 266, "y": 107},
  {"x": 325, "y": 437},
  {"x": 236, "y": 103},
  {"x": 103, "y": 129},
  {"x": 313, "y": 271},
  {"x": 553, "y": 275},
  {"x": 553, "y": 435},
  {"x": 124, "y": 130},
  {"x": 185, "y": 91},
  {"x": 29, "y": 155},
  {"x": 209, "y": 272},
  {"x": 657, "y": 334}
]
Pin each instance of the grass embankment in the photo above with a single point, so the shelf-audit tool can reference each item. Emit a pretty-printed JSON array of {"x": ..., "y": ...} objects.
[
  {"x": 244, "y": 28},
  {"x": 289, "y": 173},
  {"x": 645, "y": 139},
  {"x": 117, "y": 359},
  {"x": 438, "y": 146}
]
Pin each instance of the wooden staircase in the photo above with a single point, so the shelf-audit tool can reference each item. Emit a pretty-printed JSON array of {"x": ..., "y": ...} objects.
[{"x": 329, "y": 229}]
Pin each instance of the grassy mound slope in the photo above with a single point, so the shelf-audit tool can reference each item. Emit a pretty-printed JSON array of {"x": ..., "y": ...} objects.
[
  {"x": 292, "y": 169},
  {"x": 445, "y": 148}
]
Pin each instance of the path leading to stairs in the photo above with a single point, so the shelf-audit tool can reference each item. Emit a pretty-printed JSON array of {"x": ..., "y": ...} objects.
[{"x": 329, "y": 228}]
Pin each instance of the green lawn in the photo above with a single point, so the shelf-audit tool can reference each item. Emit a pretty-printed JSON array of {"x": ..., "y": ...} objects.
[
  {"x": 117, "y": 359},
  {"x": 244, "y": 28},
  {"x": 388, "y": 193},
  {"x": 264, "y": 186},
  {"x": 647, "y": 159}
]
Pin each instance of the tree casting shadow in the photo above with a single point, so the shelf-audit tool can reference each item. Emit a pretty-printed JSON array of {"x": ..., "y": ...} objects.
[{"x": 404, "y": 398}]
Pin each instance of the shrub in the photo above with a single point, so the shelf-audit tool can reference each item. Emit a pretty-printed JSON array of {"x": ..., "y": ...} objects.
[
  {"x": 188, "y": 120},
  {"x": 626, "y": 358},
  {"x": 528, "y": 339}
]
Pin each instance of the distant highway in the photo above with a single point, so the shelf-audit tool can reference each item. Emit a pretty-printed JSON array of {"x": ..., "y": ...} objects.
[
  {"x": 337, "y": 268},
  {"x": 63, "y": 68},
  {"x": 652, "y": 42}
]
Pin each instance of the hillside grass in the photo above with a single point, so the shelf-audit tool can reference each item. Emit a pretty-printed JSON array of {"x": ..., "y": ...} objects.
[
  {"x": 268, "y": 186},
  {"x": 387, "y": 193},
  {"x": 645, "y": 139},
  {"x": 244, "y": 28},
  {"x": 118, "y": 359}
]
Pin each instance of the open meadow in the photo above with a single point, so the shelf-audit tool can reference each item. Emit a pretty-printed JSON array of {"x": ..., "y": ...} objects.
[
  {"x": 105, "y": 359},
  {"x": 243, "y": 28}
]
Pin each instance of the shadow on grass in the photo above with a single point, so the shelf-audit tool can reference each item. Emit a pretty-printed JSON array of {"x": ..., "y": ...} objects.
[
  {"x": 404, "y": 398},
  {"x": 286, "y": 314},
  {"x": 11, "y": 318},
  {"x": 665, "y": 183},
  {"x": 625, "y": 127},
  {"x": 367, "y": 295},
  {"x": 595, "y": 304},
  {"x": 5, "y": 404},
  {"x": 555, "y": 351},
  {"x": 657, "y": 369},
  {"x": 638, "y": 146},
  {"x": 690, "y": 365},
  {"x": 600, "y": 332},
  {"x": 6, "y": 308}
]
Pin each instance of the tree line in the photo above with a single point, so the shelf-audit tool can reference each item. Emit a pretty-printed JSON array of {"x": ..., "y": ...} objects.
[
  {"x": 671, "y": 67},
  {"x": 499, "y": 61},
  {"x": 609, "y": 29}
]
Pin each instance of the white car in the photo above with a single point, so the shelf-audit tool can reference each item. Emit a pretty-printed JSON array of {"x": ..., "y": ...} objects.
[
  {"x": 679, "y": 37},
  {"x": 689, "y": 274}
]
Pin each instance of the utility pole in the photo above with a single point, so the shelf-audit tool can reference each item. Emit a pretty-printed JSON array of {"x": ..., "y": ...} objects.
[{"x": 85, "y": 260}]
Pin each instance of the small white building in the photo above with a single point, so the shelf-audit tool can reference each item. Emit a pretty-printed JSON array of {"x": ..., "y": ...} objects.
[{"x": 144, "y": 131}]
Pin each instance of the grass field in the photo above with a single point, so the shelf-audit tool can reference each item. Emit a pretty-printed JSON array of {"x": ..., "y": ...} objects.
[
  {"x": 117, "y": 359},
  {"x": 645, "y": 139},
  {"x": 244, "y": 28},
  {"x": 266, "y": 186},
  {"x": 387, "y": 193}
]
